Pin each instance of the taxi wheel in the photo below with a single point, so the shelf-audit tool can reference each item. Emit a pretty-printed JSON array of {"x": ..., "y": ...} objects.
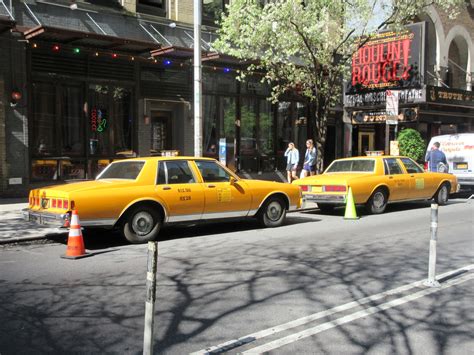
[
  {"x": 377, "y": 202},
  {"x": 272, "y": 213},
  {"x": 142, "y": 225},
  {"x": 442, "y": 195}
]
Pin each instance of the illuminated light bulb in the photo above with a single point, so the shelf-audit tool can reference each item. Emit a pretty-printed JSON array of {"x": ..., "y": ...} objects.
[
  {"x": 56, "y": 48},
  {"x": 114, "y": 55},
  {"x": 167, "y": 62},
  {"x": 35, "y": 45},
  {"x": 226, "y": 70},
  {"x": 132, "y": 58},
  {"x": 96, "y": 54},
  {"x": 76, "y": 50}
]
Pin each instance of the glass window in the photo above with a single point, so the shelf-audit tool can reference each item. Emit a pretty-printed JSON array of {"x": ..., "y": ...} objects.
[
  {"x": 212, "y": 9},
  {"x": 266, "y": 128},
  {"x": 248, "y": 127},
  {"x": 176, "y": 172},
  {"x": 212, "y": 172},
  {"x": 44, "y": 120},
  {"x": 210, "y": 140},
  {"x": 122, "y": 170},
  {"x": 72, "y": 169},
  {"x": 99, "y": 130},
  {"x": 122, "y": 120},
  {"x": 284, "y": 126},
  {"x": 161, "y": 180},
  {"x": 44, "y": 169},
  {"x": 410, "y": 166},
  {"x": 392, "y": 167},
  {"x": 155, "y": 3},
  {"x": 71, "y": 121},
  {"x": 343, "y": 166}
]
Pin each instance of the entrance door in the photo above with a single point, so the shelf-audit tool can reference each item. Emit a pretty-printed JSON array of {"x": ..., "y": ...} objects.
[
  {"x": 366, "y": 142},
  {"x": 161, "y": 132}
]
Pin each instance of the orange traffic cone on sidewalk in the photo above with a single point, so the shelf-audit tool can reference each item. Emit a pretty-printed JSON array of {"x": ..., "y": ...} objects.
[{"x": 75, "y": 243}]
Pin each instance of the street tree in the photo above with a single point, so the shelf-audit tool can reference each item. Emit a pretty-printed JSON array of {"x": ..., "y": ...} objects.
[{"x": 304, "y": 46}]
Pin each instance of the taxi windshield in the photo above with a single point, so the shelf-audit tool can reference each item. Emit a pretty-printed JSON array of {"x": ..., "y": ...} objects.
[
  {"x": 351, "y": 166},
  {"x": 122, "y": 170}
]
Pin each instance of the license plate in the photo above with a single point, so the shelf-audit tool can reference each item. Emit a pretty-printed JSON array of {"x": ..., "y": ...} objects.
[
  {"x": 316, "y": 189},
  {"x": 461, "y": 166}
]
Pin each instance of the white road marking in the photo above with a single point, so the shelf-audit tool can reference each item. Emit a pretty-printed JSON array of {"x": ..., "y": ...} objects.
[
  {"x": 304, "y": 320},
  {"x": 354, "y": 316}
]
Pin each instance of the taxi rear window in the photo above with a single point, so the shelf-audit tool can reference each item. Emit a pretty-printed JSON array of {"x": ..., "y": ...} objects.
[
  {"x": 122, "y": 170},
  {"x": 351, "y": 166}
]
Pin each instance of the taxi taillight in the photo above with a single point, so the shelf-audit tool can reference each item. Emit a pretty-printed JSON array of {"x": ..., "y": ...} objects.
[
  {"x": 53, "y": 203},
  {"x": 334, "y": 188},
  {"x": 60, "y": 203},
  {"x": 304, "y": 188}
]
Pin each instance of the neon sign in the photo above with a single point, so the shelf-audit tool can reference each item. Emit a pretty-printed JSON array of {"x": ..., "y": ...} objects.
[{"x": 98, "y": 120}]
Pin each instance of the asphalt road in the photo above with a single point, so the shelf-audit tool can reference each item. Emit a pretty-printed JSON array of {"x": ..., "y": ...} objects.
[{"x": 318, "y": 284}]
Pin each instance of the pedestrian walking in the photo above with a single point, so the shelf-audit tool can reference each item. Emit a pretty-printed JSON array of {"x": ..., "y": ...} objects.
[
  {"x": 436, "y": 159},
  {"x": 309, "y": 164},
  {"x": 292, "y": 159}
]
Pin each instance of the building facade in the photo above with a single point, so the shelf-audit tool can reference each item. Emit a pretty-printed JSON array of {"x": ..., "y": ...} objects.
[
  {"x": 429, "y": 66},
  {"x": 86, "y": 82}
]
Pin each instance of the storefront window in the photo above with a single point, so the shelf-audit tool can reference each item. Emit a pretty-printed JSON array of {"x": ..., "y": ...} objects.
[
  {"x": 122, "y": 120},
  {"x": 212, "y": 9},
  {"x": 99, "y": 125},
  {"x": 210, "y": 143},
  {"x": 266, "y": 128},
  {"x": 73, "y": 169},
  {"x": 44, "y": 119},
  {"x": 284, "y": 126},
  {"x": 71, "y": 121},
  {"x": 248, "y": 126}
]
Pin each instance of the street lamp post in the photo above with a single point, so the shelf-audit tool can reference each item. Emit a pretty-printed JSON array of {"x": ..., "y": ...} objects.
[{"x": 197, "y": 80}]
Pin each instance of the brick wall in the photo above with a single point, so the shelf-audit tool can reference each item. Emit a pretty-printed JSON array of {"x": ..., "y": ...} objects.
[{"x": 463, "y": 19}]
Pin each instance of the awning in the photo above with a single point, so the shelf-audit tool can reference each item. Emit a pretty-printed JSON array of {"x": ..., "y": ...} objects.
[
  {"x": 6, "y": 23},
  {"x": 216, "y": 57},
  {"x": 88, "y": 39},
  {"x": 173, "y": 52}
]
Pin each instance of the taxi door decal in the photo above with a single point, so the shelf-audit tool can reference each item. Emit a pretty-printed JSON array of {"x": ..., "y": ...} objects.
[
  {"x": 420, "y": 184},
  {"x": 224, "y": 195}
]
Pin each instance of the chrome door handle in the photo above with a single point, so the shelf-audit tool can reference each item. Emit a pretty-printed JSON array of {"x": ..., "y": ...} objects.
[
  {"x": 166, "y": 188},
  {"x": 211, "y": 186},
  {"x": 390, "y": 177}
]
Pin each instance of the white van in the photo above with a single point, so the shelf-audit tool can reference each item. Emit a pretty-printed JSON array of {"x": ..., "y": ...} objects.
[{"x": 459, "y": 151}]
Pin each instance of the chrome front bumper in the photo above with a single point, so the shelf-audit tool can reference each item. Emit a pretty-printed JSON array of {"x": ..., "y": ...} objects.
[{"x": 58, "y": 220}]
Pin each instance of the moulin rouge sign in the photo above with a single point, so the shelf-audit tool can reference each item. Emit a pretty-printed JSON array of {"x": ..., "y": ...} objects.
[{"x": 388, "y": 60}]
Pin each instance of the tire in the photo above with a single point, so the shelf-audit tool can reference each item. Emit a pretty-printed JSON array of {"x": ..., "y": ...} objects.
[
  {"x": 377, "y": 202},
  {"x": 272, "y": 213},
  {"x": 142, "y": 225},
  {"x": 441, "y": 196},
  {"x": 326, "y": 208}
]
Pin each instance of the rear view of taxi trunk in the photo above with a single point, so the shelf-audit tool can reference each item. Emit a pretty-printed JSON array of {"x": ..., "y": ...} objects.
[{"x": 49, "y": 206}]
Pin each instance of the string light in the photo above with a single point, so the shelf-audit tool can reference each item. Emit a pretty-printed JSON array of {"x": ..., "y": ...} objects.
[
  {"x": 226, "y": 70},
  {"x": 167, "y": 62},
  {"x": 96, "y": 54},
  {"x": 76, "y": 50},
  {"x": 35, "y": 45},
  {"x": 114, "y": 55},
  {"x": 132, "y": 58},
  {"x": 56, "y": 48}
]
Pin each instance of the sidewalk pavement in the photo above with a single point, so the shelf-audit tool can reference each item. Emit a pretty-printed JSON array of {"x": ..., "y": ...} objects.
[{"x": 13, "y": 228}]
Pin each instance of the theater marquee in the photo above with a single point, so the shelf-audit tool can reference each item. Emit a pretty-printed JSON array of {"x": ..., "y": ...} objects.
[{"x": 389, "y": 60}]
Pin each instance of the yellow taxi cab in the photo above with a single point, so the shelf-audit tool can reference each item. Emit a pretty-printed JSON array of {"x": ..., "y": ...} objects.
[
  {"x": 376, "y": 181},
  {"x": 140, "y": 195}
]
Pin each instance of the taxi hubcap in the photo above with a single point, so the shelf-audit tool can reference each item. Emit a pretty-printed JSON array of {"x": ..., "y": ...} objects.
[
  {"x": 274, "y": 211},
  {"x": 379, "y": 200},
  {"x": 142, "y": 223}
]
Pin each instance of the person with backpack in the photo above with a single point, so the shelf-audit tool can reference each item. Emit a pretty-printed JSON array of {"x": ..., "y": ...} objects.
[{"x": 436, "y": 159}]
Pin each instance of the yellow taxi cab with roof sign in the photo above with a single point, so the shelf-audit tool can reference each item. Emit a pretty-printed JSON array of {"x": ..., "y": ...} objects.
[
  {"x": 376, "y": 181},
  {"x": 140, "y": 195}
]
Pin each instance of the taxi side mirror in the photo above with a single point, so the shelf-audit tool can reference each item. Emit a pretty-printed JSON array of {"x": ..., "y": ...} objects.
[{"x": 232, "y": 181}]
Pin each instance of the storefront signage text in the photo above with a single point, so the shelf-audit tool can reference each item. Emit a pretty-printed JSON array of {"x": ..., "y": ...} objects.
[
  {"x": 379, "y": 98},
  {"x": 450, "y": 96},
  {"x": 98, "y": 121}
]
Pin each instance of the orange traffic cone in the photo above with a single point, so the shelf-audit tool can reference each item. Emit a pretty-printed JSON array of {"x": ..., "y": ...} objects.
[{"x": 75, "y": 244}]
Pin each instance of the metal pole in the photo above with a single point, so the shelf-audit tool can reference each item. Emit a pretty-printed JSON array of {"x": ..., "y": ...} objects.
[
  {"x": 150, "y": 298},
  {"x": 197, "y": 80},
  {"x": 431, "y": 282}
]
